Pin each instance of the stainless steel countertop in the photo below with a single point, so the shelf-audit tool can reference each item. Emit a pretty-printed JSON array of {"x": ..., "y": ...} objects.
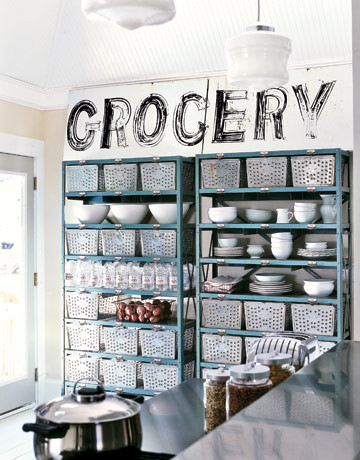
[{"x": 314, "y": 415}]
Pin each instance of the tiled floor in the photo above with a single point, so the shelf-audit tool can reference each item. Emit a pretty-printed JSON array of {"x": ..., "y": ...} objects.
[{"x": 14, "y": 443}]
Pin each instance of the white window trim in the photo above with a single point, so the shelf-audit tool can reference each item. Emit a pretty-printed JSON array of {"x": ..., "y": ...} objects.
[{"x": 16, "y": 145}]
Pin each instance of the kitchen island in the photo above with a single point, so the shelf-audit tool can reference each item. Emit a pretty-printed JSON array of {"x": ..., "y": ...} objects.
[{"x": 314, "y": 415}]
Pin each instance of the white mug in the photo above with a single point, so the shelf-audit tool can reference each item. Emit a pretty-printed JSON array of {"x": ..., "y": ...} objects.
[{"x": 284, "y": 216}]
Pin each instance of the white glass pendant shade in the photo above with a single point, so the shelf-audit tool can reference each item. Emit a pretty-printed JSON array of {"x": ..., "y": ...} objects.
[
  {"x": 257, "y": 59},
  {"x": 130, "y": 14}
]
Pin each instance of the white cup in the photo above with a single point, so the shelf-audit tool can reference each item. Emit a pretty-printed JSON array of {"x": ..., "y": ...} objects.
[{"x": 284, "y": 216}]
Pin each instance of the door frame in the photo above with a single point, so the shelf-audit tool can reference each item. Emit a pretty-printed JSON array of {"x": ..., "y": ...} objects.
[{"x": 27, "y": 147}]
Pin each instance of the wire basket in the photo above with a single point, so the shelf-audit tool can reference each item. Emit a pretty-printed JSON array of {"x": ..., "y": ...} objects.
[
  {"x": 267, "y": 172},
  {"x": 121, "y": 177},
  {"x": 221, "y": 348},
  {"x": 325, "y": 346},
  {"x": 161, "y": 377},
  {"x": 120, "y": 374},
  {"x": 163, "y": 344},
  {"x": 82, "y": 242},
  {"x": 162, "y": 176},
  {"x": 163, "y": 242},
  {"x": 84, "y": 178},
  {"x": 265, "y": 316},
  {"x": 220, "y": 173},
  {"x": 222, "y": 313},
  {"x": 118, "y": 242},
  {"x": 107, "y": 304},
  {"x": 316, "y": 170},
  {"x": 121, "y": 341},
  {"x": 82, "y": 305},
  {"x": 83, "y": 337},
  {"x": 313, "y": 319},
  {"x": 81, "y": 366}
]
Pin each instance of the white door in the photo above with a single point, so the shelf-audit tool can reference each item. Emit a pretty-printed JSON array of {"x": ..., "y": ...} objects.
[{"x": 17, "y": 293}]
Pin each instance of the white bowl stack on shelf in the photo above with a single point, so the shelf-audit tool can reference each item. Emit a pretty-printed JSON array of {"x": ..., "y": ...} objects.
[
  {"x": 270, "y": 284},
  {"x": 223, "y": 215},
  {"x": 281, "y": 245},
  {"x": 316, "y": 250},
  {"x": 228, "y": 247},
  {"x": 304, "y": 213}
]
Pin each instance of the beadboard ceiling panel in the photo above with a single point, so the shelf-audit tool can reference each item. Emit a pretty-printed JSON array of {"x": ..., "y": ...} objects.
[{"x": 49, "y": 43}]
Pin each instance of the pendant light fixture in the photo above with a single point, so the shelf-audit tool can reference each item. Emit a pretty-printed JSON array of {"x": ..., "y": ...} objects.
[
  {"x": 130, "y": 14},
  {"x": 257, "y": 58}
]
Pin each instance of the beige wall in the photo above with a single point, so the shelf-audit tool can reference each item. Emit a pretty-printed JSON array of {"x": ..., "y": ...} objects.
[{"x": 48, "y": 126}]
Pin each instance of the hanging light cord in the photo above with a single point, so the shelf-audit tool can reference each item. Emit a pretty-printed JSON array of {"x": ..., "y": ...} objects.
[{"x": 258, "y": 10}]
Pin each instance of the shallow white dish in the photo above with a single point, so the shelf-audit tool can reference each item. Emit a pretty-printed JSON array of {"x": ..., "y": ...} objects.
[
  {"x": 128, "y": 213},
  {"x": 269, "y": 276},
  {"x": 316, "y": 245},
  {"x": 166, "y": 213},
  {"x": 222, "y": 217},
  {"x": 91, "y": 213},
  {"x": 228, "y": 242}
]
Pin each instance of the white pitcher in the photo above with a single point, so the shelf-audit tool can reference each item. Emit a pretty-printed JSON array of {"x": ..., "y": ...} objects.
[{"x": 284, "y": 216}]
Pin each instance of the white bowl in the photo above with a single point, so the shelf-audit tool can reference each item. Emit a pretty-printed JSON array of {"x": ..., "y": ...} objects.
[
  {"x": 304, "y": 217},
  {"x": 166, "y": 213},
  {"x": 91, "y": 213},
  {"x": 128, "y": 213},
  {"x": 281, "y": 253},
  {"x": 258, "y": 216},
  {"x": 305, "y": 205},
  {"x": 321, "y": 288},
  {"x": 223, "y": 209},
  {"x": 316, "y": 245},
  {"x": 280, "y": 244},
  {"x": 228, "y": 242},
  {"x": 222, "y": 218},
  {"x": 282, "y": 235},
  {"x": 269, "y": 276}
]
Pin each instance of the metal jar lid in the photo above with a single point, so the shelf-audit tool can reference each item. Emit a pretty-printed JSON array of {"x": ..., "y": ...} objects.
[
  {"x": 87, "y": 405},
  {"x": 220, "y": 375},
  {"x": 273, "y": 358},
  {"x": 250, "y": 371}
]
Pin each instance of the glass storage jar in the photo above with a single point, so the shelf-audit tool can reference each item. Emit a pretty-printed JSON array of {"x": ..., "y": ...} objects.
[
  {"x": 279, "y": 364},
  {"x": 215, "y": 397},
  {"x": 246, "y": 384}
]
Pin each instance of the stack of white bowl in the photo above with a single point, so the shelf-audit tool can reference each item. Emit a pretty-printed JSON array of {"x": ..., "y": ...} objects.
[
  {"x": 281, "y": 245},
  {"x": 305, "y": 213},
  {"x": 222, "y": 215}
]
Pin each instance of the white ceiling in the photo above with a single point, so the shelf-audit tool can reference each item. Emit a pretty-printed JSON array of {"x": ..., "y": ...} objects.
[{"x": 50, "y": 44}]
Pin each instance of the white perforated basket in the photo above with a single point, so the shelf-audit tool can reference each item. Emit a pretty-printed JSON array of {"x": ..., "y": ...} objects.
[
  {"x": 83, "y": 337},
  {"x": 325, "y": 346},
  {"x": 82, "y": 242},
  {"x": 118, "y": 242},
  {"x": 316, "y": 170},
  {"x": 81, "y": 366},
  {"x": 161, "y": 377},
  {"x": 313, "y": 319},
  {"x": 121, "y": 177},
  {"x": 265, "y": 316},
  {"x": 82, "y": 178},
  {"x": 107, "y": 304},
  {"x": 82, "y": 305},
  {"x": 222, "y": 313},
  {"x": 221, "y": 348},
  {"x": 120, "y": 374},
  {"x": 121, "y": 341},
  {"x": 163, "y": 344}
]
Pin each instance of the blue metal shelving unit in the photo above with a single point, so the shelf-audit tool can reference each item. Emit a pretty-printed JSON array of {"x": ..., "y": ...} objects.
[
  {"x": 207, "y": 265},
  {"x": 179, "y": 196}
]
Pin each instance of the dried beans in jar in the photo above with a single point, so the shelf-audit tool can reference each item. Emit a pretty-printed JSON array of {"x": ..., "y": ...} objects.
[{"x": 215, "y": 397}]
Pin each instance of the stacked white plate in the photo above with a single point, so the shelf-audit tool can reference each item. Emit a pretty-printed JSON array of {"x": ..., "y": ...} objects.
[
  {"x": 270, "y": 287},
  {"x": 237, "y": 251},
  {"x": 315, "y": 244},
  {"x": 222, "y": 215},
  {"x": 316, "y": 253}
]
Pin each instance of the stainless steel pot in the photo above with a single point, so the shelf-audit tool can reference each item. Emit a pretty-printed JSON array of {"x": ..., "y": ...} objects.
[{"x": 86, "y": 422}]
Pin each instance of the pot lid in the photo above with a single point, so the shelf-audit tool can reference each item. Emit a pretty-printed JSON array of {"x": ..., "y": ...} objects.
[
  {"x": 220, "y": 375},
  {"x": 87, "y": 405}
]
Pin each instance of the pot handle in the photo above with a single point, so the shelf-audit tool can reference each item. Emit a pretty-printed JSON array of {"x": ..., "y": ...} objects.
[
  {"x": 87, "y": 380},
  {"x": 49, "y": 431}
]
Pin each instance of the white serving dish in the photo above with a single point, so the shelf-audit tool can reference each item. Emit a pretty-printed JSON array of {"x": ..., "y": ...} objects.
[
  {"x": 316, "y": 245},
  {"x": 322, "y": 288},
  {"x": 91, "y": 213},
  {"x": 228, "y": 242},
  {"x": 305, "y": 205},
  {"x": 304, "y": 217},
  {"x": 166, "y": 213},
  {"x": 281, "y": 252},
  {"x": 259, "y": 215},
  {"x": 222, "y": 217},
  {"x": 282, "y": 236},
  {"x": 128, "y": 213},
  {"x": 269, "y": 277}
]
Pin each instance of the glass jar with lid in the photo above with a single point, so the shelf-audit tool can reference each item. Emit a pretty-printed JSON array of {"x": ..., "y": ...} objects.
[
  {"x": 246, "y": 384},
  {"x": 215, "y": 397},
  {"x": 279, "y": 364}
]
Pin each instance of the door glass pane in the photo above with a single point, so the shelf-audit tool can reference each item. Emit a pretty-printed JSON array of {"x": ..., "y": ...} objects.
[{"x": 13, "y": 364}]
